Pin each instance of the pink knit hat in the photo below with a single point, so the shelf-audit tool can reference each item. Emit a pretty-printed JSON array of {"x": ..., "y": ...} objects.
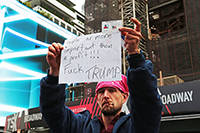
[{"x": 120, "y": 84}]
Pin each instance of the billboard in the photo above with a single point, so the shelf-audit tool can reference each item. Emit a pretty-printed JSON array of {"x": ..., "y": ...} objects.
[
  {"x": 180, "y": 99},
  {"x": 32, "y": 120},
  {"x": 24, "y": 38}
]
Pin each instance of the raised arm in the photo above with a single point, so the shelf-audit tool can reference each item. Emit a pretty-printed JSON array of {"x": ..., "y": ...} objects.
[
  {"x": 58, "y": 117},
  {"x": 145, "y": 101}
]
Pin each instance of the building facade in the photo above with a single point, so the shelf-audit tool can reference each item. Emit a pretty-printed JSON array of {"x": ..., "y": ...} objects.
[
  {"x": 174, "y": 49},
  {"x": 24, "y": 39},
  {"x": 62, "y": 12},
  {"x": 174, "y": 45},
  {"x": 97, "y": 11}
]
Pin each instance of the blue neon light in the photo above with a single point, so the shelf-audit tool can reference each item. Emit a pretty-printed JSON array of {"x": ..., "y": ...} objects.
[{"x": 22, "y": 55}]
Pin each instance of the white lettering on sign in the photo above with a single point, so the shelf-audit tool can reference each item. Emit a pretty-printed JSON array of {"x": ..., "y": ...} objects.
[
  {"x": 12, "y": 122},
  {"x": 79, "y": 109},
  {"x": 32, "y": 117},
  {"x": 91, "y": 58},
  {"x": 180, "y": 97}
]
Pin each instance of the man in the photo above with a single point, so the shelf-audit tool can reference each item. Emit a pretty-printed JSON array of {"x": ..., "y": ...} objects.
[
  {"x": 145, "y": 102},
  {"x": 111, "y": 95}
]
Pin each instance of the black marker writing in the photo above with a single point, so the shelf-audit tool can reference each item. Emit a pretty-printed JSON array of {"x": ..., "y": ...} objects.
[
  {"x": 96, "y": 72},
  {"x": 103, "y": 36},
  {"x": 90, "y": 47},
  {"x": 71, "y": 49},
  {"x": 88, "y": 38},
  {"x": 73, "y": 41},
  {"x": 74, "y": 70},
  {"x": 69, "y": 59},
  {"x": 105, "y": 45}
]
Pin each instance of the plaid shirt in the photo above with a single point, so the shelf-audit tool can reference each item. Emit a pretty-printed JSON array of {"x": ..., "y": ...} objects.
[{"x": 111, "y": 125}]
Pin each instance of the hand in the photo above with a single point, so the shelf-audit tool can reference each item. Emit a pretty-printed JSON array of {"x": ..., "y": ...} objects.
[
  {"x": 132, "y": 37},
  {"x": 53, "y": 58}
]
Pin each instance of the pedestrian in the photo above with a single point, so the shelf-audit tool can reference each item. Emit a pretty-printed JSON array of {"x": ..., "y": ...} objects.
[{"x": 140, "y": 86}]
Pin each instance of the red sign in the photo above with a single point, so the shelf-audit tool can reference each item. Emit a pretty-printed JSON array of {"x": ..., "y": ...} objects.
[{"x": 80, "y": 108}]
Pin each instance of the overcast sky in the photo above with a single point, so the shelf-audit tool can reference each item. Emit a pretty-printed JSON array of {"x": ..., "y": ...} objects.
[{"x": 79, "y": 4}]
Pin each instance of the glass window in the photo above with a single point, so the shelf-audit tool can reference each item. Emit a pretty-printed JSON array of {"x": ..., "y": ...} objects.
[
  {"x": 62, "y": 24},
  {"x": 69, "y": 28},
  {"x": 74, "y": 31},
  {"x": 56, "y": 21}
]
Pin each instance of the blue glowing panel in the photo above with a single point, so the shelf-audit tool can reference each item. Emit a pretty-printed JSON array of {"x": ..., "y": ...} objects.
[{"x": 24, "y": 38}]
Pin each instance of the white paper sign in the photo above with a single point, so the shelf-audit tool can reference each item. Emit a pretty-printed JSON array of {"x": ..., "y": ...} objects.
[
  {"x": 91, "y": 58},
  {"x": 112, "y": 26}
]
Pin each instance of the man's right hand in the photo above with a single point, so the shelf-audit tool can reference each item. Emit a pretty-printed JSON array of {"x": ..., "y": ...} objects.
[
  {"x": 53, "y": 58},
  {"x": 132, "y": 37}
]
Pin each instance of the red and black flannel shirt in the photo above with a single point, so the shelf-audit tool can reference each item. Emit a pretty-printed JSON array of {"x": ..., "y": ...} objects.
[{"x": 111, "y": 125}]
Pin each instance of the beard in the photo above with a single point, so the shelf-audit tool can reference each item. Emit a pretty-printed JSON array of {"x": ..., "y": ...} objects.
[{"x": 110, "y": 111}]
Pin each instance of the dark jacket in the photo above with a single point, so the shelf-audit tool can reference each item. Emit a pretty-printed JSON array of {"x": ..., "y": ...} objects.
[{"x": 145, "y": 104}]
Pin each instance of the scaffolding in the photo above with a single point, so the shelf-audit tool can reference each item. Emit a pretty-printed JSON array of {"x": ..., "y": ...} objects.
[
  {"x": 169, "y": 80},
  {"x": 97, "y": 11},
  {"x": 174, "y": 47},
  {"x": 137, "y": 9}
]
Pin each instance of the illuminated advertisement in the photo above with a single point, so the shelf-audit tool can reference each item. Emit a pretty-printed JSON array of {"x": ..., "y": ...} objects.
[
  {"x": 31, "y": 119},
  {"x": 24, "y": 38}
]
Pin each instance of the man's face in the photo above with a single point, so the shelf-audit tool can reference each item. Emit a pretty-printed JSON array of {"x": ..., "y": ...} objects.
[{"x": 106, "y": 95}]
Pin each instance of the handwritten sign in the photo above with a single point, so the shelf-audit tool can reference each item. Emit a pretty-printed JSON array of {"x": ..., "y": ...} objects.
[{"x": 91, "y": 58}]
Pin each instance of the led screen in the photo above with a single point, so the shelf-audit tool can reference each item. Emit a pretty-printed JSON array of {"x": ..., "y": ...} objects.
[{"x": 24, "y": 38}]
